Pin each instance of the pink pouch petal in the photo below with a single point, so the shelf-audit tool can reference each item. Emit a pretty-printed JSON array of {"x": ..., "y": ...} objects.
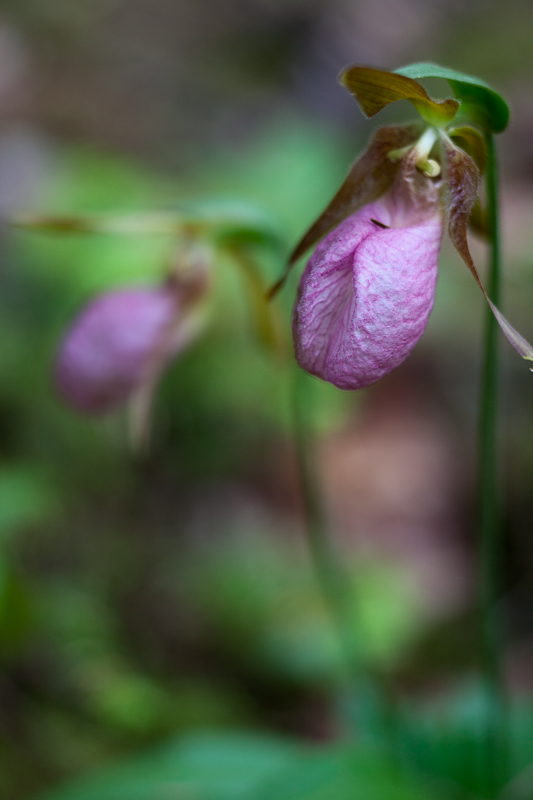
[{"x": 365, "y": 297}]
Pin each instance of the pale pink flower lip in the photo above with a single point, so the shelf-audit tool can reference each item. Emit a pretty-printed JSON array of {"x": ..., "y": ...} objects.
[
  {"x": 366, "y": 295},
  {"x": 106, "y": 352}
]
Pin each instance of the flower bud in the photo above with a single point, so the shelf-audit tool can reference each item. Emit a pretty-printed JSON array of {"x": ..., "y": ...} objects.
[
  {"x": 367, "y": 292},
  {"x": 109, "y": 349}
]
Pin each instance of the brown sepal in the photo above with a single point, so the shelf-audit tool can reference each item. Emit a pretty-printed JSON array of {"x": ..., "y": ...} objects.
[
  {"x": 472, "y": 142},
  {"x": 461, "y": 185},
  {"x": 463, "y": 182},
  {"x": 369, "y": 178},
  {"x": 376, "y": 88}
]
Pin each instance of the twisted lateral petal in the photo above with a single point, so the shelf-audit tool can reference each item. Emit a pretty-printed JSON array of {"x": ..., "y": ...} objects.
[
  {"x": 108, "y": 350},
  {"x": 365, "y": 297},
  {"x": 463, "y": 184}
]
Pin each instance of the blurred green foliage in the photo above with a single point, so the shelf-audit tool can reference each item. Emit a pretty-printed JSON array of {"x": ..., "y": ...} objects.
[
  {"x": 83, "y": 526},
  {"x": 124, "y": 616},
  {"x": 249, "y": 766},
  {"x": 145, "y": 600}
]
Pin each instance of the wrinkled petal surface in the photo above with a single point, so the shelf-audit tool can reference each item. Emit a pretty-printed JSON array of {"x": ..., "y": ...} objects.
[
  {"x": 366, "y": 295},
  {"x": 105, "y": 354}
]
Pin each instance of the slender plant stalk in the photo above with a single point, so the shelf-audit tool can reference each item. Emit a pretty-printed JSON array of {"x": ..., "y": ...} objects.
[
  {"x": 330, "y": 573},
  {"x": 364, "y": 707},
  {"x": 489, "y": 519}
]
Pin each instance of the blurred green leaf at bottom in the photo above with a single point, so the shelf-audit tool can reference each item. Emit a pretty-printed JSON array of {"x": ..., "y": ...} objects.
[
  {"x": 214, "y": 767},
  {"x": 246, "y": 767},
  {"x": 342, "y": 773}
]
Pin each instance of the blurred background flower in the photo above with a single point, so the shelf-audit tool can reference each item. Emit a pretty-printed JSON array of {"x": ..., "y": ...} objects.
[{"x": 139, "y": 599}]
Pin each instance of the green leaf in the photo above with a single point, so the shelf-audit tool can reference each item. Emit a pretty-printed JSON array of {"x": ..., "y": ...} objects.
[
  {"x": 15, "y": 610},
  {"x": 376, "y": 88},
  {"x": 479, "y": 101},
  {"x": 223, "y": 221},
  {"x": 445, "y": 739},
  {"x": 228, "y": 766},
  {"x": 266, "y": 324},
  {"x": 130, "y": 224},
  {"x": 26, "y": 498},
  {"x": 343, "y": 773},
  {"x": 231, "y": 766},
  {"x": 237, "y": 222}
]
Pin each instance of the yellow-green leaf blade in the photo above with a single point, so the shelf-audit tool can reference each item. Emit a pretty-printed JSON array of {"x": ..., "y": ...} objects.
[{"x": 376, "y": 88}]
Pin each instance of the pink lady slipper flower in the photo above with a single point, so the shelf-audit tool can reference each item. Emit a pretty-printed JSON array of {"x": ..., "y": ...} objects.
[
  {"x": 367, "y": 291},
  {"x": 118, "y": 346},
  {"x": 366, "y": 294},
  {"x": 107, "y": 351}
]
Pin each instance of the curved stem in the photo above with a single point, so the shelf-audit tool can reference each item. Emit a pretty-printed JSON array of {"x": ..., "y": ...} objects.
[
  {"x": 489, "y": 517},
  {"x": 330, "y": 573},
  {"x": 363, "y": 704}
]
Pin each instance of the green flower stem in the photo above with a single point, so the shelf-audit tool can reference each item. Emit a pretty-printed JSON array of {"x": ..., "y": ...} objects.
[
  {"x": 329, "y": 572},
  {"x": 490, "y": 529},
  {"x": 363, "y": 706}
]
